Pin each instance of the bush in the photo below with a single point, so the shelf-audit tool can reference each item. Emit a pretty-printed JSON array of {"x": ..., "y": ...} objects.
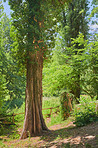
[{"x": 85, "y": 113}]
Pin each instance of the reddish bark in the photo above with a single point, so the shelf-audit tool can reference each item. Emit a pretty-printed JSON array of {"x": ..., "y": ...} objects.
[{"x": 34, "y": 123}]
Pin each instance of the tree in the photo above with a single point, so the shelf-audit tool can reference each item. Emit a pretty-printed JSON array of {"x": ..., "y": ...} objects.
[
  {"x": 31, "y": 21},
  {"x": 3, "y": 90},
  {"x": 74, "y": 21}
]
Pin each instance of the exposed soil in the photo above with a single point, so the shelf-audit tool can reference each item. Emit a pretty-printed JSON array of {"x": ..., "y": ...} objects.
[{"x": 60, "y": 136}]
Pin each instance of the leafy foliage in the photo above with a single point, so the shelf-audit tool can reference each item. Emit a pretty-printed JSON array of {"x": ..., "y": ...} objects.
[{"x": 94, "y": 12}]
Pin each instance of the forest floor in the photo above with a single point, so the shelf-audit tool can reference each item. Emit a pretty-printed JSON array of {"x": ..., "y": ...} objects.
[{"x": 58, "y": 136}]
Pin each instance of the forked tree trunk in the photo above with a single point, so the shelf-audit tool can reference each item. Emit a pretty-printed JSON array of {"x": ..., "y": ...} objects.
[{"x": 34, "y": 123}]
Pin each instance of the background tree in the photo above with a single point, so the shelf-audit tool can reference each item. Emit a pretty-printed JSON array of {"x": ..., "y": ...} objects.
[
  {"x": 3, "y": 82},
  {"x": 74, "y": 21},
  {"x": 11, "y": 81}
]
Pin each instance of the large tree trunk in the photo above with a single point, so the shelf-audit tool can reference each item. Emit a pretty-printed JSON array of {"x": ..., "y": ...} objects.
[{"x": 34, "y": 123}]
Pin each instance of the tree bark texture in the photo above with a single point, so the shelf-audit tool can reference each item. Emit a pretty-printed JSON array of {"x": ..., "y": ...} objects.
[
  {"x": 34, "y": 123},
  {"x": 76, "y": 90}
]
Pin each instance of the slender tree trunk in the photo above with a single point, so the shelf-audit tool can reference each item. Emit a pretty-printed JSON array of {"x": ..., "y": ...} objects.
[
  {"x": 34, "y": 123},
  {"x": 76, "y": 91}
]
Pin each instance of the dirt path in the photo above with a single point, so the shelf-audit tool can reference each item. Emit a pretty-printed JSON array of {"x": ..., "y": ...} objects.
[{"x": 61, "y": 136}]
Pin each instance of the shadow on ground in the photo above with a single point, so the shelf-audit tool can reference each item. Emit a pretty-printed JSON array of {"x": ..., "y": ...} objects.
[
  {"x": 72, "y": 137},
  {"x": 60, "y": 137}
]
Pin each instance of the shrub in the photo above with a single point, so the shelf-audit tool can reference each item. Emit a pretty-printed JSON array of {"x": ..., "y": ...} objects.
[{"x": 85, "y": 113}]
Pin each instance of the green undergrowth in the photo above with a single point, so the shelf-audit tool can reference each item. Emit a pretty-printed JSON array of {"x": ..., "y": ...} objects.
[{"x": 85, "y": 112}]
